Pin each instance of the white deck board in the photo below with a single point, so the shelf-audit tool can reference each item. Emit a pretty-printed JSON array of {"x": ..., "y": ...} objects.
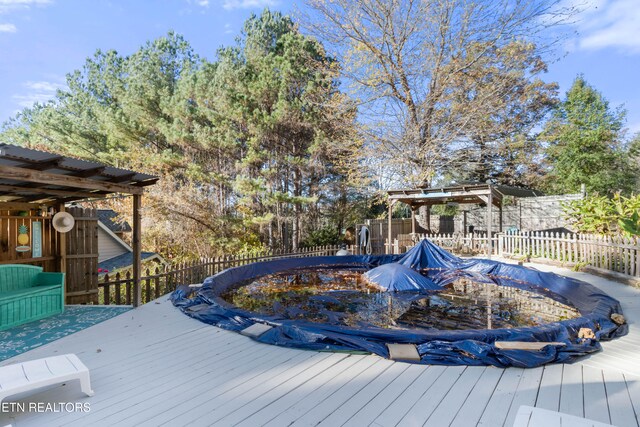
[
  {"x": 433, "y": 397},
  {"x": 155, "y": 366},
  {"x": 477, "y": 400},
  {"x": 620, "y": 406},
  {"x": 394, "y": 412},
  {"x": 595, "y": 396},
  {"x": 549, "y": 391},
  {"x": 526, "y": 393},
  {"x": 571, "y": 397},
  {"x": 455, "y": 398},
  {"x": 497, "y": 409}
]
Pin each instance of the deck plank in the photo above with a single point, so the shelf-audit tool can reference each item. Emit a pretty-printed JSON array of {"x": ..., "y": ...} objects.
[
  {"x": 432, "y": 397},
  {"x": 596, "y": 406},
  {"x": 238, "y": 413},
  {"x": 549, "y": 391},
  {"x": 387, "y": 397},
  {"x": 619, "y": 399},
  {"x": 477, "y": 400},
  {"x": 311, "y": 400},
  {"x": 313, "y": 386},
  {"x": 633, "y": 386},
  {"x": 571, "y": 396},
  {"x": 323, "y": 409},
  {"x": 359, "y": 400},
  {"x": 456, "y": 397},
  {"x": 498, "y": 406},
  {"x": 394, "y": 412},
  {"x": 526, "y": 392}
]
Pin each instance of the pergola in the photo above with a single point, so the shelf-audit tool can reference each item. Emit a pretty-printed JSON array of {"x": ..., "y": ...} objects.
[
  {"x": 32, "y": 179},
  {"x": 476, "y": 193}
]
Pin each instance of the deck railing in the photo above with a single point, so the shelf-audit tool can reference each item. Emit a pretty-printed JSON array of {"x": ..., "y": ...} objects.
[{"x": 118, "y": 288}]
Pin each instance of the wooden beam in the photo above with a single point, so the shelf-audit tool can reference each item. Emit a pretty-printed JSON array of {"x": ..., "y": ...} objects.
[
  {"x": 21, "y": 206},
  {"x": 46, "y": 191},
  {"x": 32, "y": 199},
  {"x": 28, "y": 175},
  {"x": 137, "y": 249}
]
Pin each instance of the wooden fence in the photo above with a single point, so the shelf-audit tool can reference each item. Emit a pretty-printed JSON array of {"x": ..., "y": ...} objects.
[
  {"x": 612, "y": 253},
  {"x": 118, "y": 288},
  {"x": 617, "y": 254},
  {"x": 473, "y": 243}
]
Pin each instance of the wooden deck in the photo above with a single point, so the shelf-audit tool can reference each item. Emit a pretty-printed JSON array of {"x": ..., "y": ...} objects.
[{"x": 155, "y": 366}]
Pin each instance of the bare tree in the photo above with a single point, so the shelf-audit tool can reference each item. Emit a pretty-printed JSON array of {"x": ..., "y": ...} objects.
[{"x": 436, "y": 76}]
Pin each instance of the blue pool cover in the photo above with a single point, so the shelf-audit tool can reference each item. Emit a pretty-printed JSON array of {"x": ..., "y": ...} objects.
[{"x": 445, "y": 347}]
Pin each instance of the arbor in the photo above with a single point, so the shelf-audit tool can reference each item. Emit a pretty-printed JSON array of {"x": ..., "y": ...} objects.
[
  {"x": 444, "y": 83},
  {"x": 585, "y": 144}
]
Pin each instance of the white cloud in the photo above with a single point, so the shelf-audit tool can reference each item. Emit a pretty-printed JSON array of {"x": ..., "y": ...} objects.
[
  {"x": 227, "y": 29},
  {"x": 9, "y": 5},
  {"x": 609, "y": 24},
  {"x": 41, "y": 91},
  {"x": 8, "y": 28},
  {"x": 203, "y": 3},
  {"x": 248, "y": 4}
]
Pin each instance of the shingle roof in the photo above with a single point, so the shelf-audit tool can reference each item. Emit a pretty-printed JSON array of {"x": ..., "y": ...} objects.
[
  {"x": 110, "y": 218},
  {"x": 122, "y": 261}
]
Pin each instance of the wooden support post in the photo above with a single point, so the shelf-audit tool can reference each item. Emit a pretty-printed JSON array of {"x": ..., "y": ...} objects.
[
  {"x": 500, "y": 213},
  {"x": 413, "y": 220},
  {"x": 136, "y": 246},
  {"x": 389, "y": 242},
  {"x": 429, "y": 219},
  {"x": 489, "y": 231},
  {"x": 464, "y": 223},
  {"x": 62, "y": 254}
]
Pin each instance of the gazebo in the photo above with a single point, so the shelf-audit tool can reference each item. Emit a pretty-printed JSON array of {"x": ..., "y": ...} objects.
[
  {"x": 36, "y": 184},
  {"x": 474, "y": 193}
]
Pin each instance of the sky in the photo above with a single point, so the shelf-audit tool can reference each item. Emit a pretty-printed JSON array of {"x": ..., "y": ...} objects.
[{"x": 43, "y": 40}]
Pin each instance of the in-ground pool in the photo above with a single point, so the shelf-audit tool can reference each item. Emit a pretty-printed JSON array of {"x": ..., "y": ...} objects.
[
  {"x": 347, "y": 298},
  {"x": 452, "y": 310}
]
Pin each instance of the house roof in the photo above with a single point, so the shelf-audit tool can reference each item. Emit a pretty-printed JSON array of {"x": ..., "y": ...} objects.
[
  {"x": 110, "y": 219},
  {"x": 125, "y": 260}
]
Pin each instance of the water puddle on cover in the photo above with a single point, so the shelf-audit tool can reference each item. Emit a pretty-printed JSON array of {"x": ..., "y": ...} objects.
[{"x": 344, "y": 297}]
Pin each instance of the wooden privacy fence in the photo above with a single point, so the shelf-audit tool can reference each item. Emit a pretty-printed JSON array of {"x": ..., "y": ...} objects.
[
  {"x": 613, "y": 253},
  {"x": 118, "y": 288}
]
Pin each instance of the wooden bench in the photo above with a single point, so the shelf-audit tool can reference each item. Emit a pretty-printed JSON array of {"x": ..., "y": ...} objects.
[
  {"x": 35, "y": 374},
  {"x": 27, "y": 294}
]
